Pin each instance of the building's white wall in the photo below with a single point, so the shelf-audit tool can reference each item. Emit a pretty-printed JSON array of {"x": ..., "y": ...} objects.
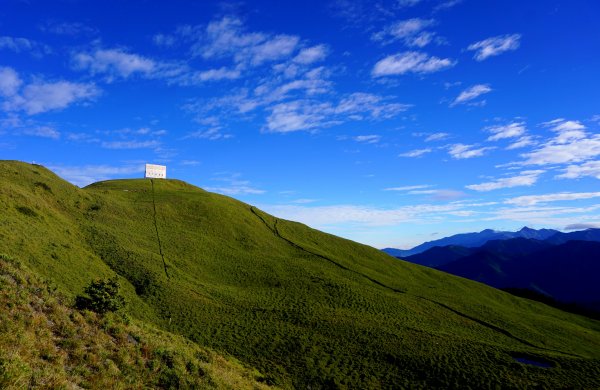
[{"x": 156, "y": 171}]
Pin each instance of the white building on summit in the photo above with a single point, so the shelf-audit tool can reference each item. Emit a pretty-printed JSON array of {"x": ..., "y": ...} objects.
[{"x": 155, "y": 171}]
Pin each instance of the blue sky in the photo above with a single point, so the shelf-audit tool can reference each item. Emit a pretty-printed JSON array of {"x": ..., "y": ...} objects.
[{"x": 387, "y": 122}]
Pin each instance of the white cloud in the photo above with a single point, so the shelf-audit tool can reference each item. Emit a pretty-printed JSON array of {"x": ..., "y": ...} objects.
[
  {"x": 323, "y": 216},
  {"x": 415, "y": 153},
  {"x": 525, "y": 178},
  {"x": 278, "y": 47},
  {"x": 234, "y": 185},
  {"x": 446, "y": 5},
  {"x": 9, "y": 81},
  {"x": 553, "y": 152},
  {"x": 408, "y": 188},
  {"x": 572, "y": 144},
  {"x": 408, "y": 3},
  {"x": 471, "y": 93},
  {"x": 461, "y": 151},
  {"x": 212, "y": 134},
  {"x": 227, "y": 38},
  {"x": 114, "y": 62},
  {"x": 590, "y": 168},
  {"x": 222, "y": 73},
  {"x": 312, "y": 54},
  {"x": 410, "y": 62},
  {"x": 568, "y": 130},
  {"x": 521, "y": 143},
  {"x": 41, "y": 97},
  {"x": 494, "y": 46},
  {"x": 87, "y": 174},
  {"x": 298, "y": 115},
  {"x": 437, "y": 137},
  {"x": 42, "y": 131},
  {"x": 68, "y": 28},
  {"x": 411, "y": 31},
  {"x": 369, "y": 139},
  {"x": 530, "y": 200},
  {"x": 512, "y": 130},
  {"x": 359, "y": 104},
  {"x": 130, "y": 144},
  {"x": 582, "y": 226},
  {"x": 236, "y": 190},
  {"x": 222, "y": 37},
  {"x": 164, "y": 40},
  {"x": 309, "y": 115},
  {"x": 24, "y": 45}
]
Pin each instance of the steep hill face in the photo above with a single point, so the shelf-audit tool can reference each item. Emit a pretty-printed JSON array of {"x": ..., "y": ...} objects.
[{"x": 304, "y": 307}]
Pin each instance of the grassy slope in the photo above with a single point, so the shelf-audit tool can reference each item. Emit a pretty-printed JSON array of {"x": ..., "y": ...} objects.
[
  {"x": 306, "y": 308},
  {"x": 44, "y": 343}
]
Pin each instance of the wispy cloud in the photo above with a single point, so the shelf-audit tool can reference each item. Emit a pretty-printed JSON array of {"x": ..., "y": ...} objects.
[
  {"x": 582, "y": 226},
  {"x": 530, "y": 200},
  {"x": 348, "y": 215},
  {"x": 462, "y": 151},
  {"x": 511, "y": 130},
  {"x": 446, "y": 4},
  {"x": 87, "y": 174},
  {"x": 410, "y": 62},
  {"x": 574, "y": 171},
  {"x": 130, "y": 144},
  {"x": 368, "y": 139},
  {"x": 42, "y": 131},
  {"x": 494, "y": 46},
  {"x": 471, "y": 93},
  {"x": 68, "y": 28},
  {"x": 311, "y": 55},
  {"x": 228, "y": 38},
  {"x": 411, "y": 32},
  {"x": 41, "y": 96},
  {"x": 19, "y": 45},
  {"x": 309, "y": 115},
  {"x": 572, "y": 144},
  {"x": 233, "y": 185},
  {"x": 408, "y": 188},
  {"x": 416, "y": 153},
  {"x": 9, "y": 81},
  {"x": 522, "y": 142},
  {"x": 437, "y": 137},
  {"x": 212, "y": 134},
  {"x": 524, "y": 179},
  {"x": 115, "y": 63}
]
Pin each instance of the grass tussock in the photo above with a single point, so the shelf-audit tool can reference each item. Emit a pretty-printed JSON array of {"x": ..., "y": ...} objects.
[{"x": 45, "y": 343}]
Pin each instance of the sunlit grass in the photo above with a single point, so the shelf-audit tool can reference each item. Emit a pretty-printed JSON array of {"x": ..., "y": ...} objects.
[{"x": 304, "y": 307}]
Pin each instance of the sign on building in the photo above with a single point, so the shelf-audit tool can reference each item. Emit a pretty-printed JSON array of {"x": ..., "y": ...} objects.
[{"x": 156, "y": 171}]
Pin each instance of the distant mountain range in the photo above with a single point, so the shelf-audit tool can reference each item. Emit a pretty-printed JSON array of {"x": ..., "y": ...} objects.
[
  {"x": 563, "y": 267},
  {"x": 473, "y": 240}
]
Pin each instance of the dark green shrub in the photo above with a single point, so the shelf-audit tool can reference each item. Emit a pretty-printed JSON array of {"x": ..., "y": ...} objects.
[
  {"x": 102, "y": 296},
  {"x": 26, "y": 211},
  {"x": 43, "y": 186}
]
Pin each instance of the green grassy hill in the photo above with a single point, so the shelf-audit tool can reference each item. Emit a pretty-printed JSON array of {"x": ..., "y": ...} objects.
[
  {"x": 304, "y": 307},
  {"x": 46, "y": 344}
]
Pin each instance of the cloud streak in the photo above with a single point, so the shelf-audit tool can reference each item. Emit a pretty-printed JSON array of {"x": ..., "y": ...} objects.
[
  {"x": 410, "y": 62},
  {"x": 494, "y": 46}
]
